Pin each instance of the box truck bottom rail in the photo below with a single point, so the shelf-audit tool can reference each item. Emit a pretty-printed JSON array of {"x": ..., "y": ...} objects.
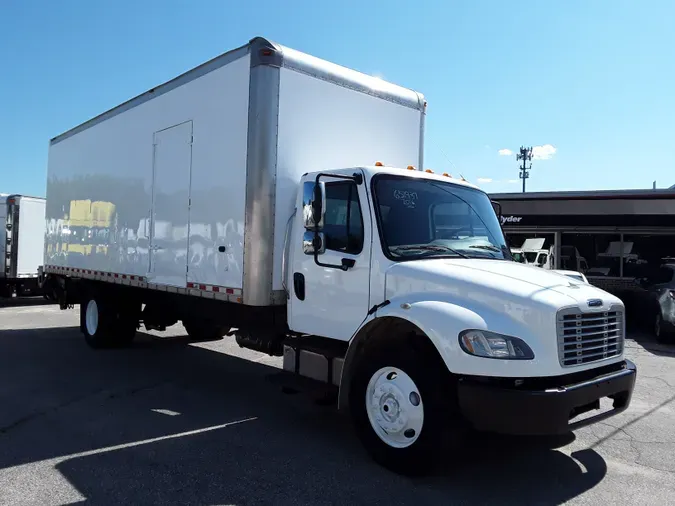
[{"x": 112, "y": 311}]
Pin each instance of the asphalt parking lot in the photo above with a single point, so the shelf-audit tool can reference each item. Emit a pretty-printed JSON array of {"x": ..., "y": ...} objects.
[{"x": 176, "y": 423}]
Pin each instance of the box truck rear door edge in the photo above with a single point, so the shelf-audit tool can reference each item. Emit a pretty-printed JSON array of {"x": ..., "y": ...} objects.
[{"x": 30, "y": 247}]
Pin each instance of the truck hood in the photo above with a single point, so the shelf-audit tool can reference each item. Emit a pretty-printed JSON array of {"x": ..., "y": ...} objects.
[
  {"x": 492, "y": 282},
  {"x": 443, "y": 297}
]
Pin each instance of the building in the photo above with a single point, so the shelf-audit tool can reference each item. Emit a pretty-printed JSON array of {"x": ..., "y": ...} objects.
[{"x": 612, "y": 236}]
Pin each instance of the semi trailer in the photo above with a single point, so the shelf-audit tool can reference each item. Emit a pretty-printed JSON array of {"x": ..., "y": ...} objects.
[
  {"x": 281, "y": 199},
  {"x": 22, "y": 235}
]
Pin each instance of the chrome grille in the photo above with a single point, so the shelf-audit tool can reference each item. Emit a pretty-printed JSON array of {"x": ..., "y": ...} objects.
[{"x": 589, "y": 337}]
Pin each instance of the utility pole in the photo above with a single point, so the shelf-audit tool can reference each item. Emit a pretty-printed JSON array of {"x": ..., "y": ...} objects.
[{"x": 526, "y": 156}]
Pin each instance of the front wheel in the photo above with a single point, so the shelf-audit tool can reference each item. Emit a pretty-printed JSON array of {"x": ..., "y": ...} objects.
[{"x": 401, "y": 410}]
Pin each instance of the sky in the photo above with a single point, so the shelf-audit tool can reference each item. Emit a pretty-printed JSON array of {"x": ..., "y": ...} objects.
[{"x": 587, "y": 83}]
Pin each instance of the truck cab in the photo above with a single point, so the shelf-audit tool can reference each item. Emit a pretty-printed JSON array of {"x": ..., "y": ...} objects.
[{"x": 442, "y": 329}]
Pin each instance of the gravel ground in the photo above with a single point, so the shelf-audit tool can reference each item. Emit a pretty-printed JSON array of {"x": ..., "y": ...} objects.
[{"x": 173, "y": 423}]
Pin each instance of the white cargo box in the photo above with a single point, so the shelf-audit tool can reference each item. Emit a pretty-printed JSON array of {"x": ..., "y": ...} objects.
[
  {"x": 188, "y": 187},
  {"x": 22, "y": 234}
]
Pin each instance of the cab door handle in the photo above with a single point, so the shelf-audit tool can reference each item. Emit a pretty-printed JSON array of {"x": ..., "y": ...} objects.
[{"x": 299, "y": 285}]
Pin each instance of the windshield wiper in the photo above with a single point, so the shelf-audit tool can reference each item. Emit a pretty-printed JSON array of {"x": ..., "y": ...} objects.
[
  {"x": 485, "y": 246},
  {"x": 431, "y": 247},
  {"x": 491, "y": 249}
]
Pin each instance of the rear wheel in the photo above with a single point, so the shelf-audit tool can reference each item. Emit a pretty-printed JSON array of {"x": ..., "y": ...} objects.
[
  {"x": 107, "y": 325},
  {"x": 401, "y": 410}
]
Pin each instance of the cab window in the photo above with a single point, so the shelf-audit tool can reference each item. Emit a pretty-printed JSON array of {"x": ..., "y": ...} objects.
[{"x": 343, "y": 223}]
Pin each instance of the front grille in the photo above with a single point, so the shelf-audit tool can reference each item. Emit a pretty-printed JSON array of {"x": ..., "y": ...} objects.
[{"x": 589, "y": 337}]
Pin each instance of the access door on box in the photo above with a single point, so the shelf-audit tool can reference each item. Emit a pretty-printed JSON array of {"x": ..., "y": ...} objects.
[{"x": 170, "y": 214}]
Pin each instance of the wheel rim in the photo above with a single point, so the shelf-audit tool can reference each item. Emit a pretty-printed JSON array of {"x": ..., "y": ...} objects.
[
  {"x": 657, "y": 325},
  {"x": 91, "y": 317},
  {"x": 394, "y": 407}
]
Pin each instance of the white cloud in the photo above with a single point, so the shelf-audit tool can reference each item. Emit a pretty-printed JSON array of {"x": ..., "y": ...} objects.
[
  {"x": 544, "y": 152},
  {"x": 484, "y": 180},
  {"x": 505, "y": 152},
  {"x": 512, "y": 181}
]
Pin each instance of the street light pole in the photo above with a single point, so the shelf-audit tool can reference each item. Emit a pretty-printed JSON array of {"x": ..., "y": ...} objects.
[{"x": 526, "y": 156}]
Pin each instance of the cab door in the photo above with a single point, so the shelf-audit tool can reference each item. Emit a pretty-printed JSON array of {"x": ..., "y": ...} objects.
[{"x": 330, "y": 300}]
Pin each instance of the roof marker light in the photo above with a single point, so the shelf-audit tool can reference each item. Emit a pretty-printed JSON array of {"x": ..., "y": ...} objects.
[
  {"x": 446, "y": 174},
  {"x": 410, "y": 167},
  {"x": 429, "y": 171},
  {"x": 379, "y": 164}
]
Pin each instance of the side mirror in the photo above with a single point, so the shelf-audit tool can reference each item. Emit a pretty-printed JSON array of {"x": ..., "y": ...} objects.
[
  {"x": 313, "y": 243},
  {"x": 314, "y": 205}
]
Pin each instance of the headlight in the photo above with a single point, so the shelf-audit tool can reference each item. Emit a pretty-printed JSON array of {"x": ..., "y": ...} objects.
[{"x": 483, "y": 343}]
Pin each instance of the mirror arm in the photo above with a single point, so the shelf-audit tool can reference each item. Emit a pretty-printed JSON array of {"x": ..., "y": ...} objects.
[
  {"x": 343, "y": 267},
  {"x": 356, "y": 177}
]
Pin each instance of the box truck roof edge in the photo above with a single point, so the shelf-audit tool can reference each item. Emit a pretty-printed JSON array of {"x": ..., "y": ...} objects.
[{"x": 266, "y": 52}]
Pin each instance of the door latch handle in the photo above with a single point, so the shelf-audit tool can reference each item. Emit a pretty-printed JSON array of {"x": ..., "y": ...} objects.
[{"x": 299, "y": 285}]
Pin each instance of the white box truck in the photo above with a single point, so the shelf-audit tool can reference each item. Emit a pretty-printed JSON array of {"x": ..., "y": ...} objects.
[
  {"x": 22, "y": 235},
  {"x": 245, "y": 197}
]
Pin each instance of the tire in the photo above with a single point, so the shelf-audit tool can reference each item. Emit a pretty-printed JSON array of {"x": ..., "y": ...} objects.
[
  {"x": 661, "y": 331},
  {"x": 106, "y": 325},
  {"x": 199, "y": 330},
  {"x": 403, "y": 384}
]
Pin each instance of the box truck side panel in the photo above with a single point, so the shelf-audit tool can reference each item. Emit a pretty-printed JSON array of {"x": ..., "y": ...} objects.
[
  {"x": 31, "y": 236},
  {"x": 3, "y": 234},
  {"x": 102, "y": 175},
  {"x": 323, "y": 125}
]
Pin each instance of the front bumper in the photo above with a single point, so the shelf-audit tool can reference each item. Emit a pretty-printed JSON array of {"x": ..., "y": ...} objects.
[{"x": 545, "y": 406}]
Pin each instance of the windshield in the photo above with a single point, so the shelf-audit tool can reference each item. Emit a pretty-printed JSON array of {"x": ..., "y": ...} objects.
[{"x": 423, "y": 218}]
